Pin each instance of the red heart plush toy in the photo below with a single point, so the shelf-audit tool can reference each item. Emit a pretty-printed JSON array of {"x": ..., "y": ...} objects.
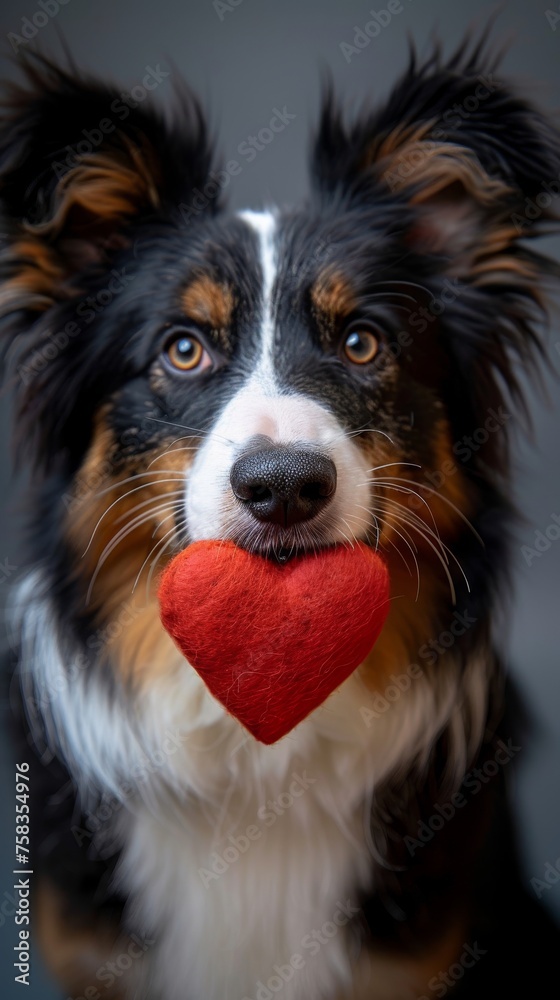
[{"x": 273, "y": 641}]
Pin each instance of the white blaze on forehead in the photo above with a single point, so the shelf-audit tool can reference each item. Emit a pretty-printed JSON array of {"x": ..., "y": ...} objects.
[{"x": 264, "y": 225}]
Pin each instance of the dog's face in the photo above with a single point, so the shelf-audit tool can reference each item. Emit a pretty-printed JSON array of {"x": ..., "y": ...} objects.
[
  {"x": 267, "y": 386},
  {"x": 272, "y": 381},
  {"x": 285, "y": 380}
]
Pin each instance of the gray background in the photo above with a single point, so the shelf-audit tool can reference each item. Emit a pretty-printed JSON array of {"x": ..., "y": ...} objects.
[{"x": 267, "y": 53}]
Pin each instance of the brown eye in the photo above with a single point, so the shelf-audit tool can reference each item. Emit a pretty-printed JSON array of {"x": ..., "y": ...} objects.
[
  {"x": 361, "y": 346},
  {"x": 186, "y": 354}
]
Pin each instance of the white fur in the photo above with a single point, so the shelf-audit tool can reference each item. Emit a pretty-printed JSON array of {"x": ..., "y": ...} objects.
[{"x": 264, "y": 225}]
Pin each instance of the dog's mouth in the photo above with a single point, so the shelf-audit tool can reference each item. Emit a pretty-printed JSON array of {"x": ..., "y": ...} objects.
[
  {"x": 282, "y": 546},
  {"x": 284, "y": 555}
]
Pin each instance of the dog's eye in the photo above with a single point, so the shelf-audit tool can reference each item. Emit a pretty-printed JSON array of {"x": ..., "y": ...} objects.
[
  {"x": 185, "y": 353},
  {"x": 360, "y": 345}
]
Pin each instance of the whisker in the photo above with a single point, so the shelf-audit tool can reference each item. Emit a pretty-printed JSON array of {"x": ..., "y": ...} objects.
[
  {"x": 195, "y": 430},
  {"x": 445, "y": 500},
  {"x": 388, "y": 465},
  {"x": 375, "y": 520},
  {"x": 172, "y": 531},
  {"x": 152, "y": 551},
  {"x": 166, "y": 518},
  {"x": 418, "y": 522},
  {"x": 401, "y": 489},
  {"x": 178, "y": 478},
  {"x": 173, "y": 451},
  {"x": 117, "y": 539},
  {"x": 351, "y": 533},
  {"x": 412, "y": 513},
  {"x": 145, "y": 503},
  {"x": 123, "y": 497},
  {"x": 440, "y": 553},
  {"x": 178, "y": 528},
  {"x": 369, "y": 430},
  {"x": 395, "y": 547},
  {"x": 405, "y": 284}
]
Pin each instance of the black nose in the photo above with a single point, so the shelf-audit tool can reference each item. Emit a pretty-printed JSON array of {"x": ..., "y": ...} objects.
[{"x": 283, "y": 485}]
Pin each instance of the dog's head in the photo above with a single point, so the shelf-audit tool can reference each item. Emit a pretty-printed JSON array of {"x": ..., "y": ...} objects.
[{"x": 287, "y": 380}]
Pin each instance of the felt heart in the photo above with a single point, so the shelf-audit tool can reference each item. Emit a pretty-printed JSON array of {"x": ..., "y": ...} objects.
[{"x": 273, "y": 641}]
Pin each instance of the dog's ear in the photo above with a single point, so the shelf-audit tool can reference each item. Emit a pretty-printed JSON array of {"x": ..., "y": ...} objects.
[
  {"x": 462, "y": 173},
  {"x": 87, "y": 173},
  {"x": 478, "y": 165},
  {"x": 80, "y": 165}
]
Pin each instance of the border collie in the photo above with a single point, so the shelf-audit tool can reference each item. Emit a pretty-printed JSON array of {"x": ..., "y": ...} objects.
[{"x": 389, "y": 323}]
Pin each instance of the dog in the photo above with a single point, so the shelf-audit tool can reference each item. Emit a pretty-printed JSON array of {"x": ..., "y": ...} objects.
[{"x": 155, "y": 341}]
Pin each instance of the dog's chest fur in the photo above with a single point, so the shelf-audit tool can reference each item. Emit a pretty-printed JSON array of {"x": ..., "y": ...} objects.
[
  {"x": 260, "y": 861},
  {"x": 232, "y": 912}
]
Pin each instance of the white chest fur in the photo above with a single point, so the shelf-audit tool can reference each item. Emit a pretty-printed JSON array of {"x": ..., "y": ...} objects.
[
  {"x": 249, "y": 879},
  {"x": 268, "y": 906}
]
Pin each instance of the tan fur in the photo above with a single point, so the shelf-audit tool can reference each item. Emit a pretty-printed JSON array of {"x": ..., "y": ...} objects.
[
  {"x": 397, "y": 975},
  {"x": 332, "y": 298},
  {"x": 141, "y": 645},
  {"x": 38, "y": 278},
  {"x": 76, "y": 948},
  {"x": 208, "y": 302},
  {"x": 105, "y": 186},
  {"x": 414, "y": 610},
  {"x": 410, "y": 622}
]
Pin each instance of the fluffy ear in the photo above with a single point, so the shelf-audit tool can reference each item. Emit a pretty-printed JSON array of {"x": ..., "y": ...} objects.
[
  {"x": 84, "y": 169},
  {"x": 477, "y": 164},
  {"x": 467, "y": 172},
  {"x": 80, "y": 166}
]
